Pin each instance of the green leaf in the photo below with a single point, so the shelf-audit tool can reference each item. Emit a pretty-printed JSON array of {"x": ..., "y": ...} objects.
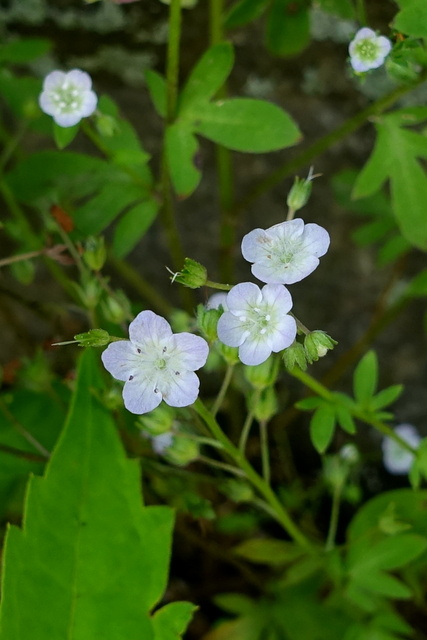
[
  {"x": 181, "y": 150},
  {"x": 393, "y": 552},
  {"x": 386, "y": 397},
  {"x": 64, "y": 135},
  {"x": 207, "y": 77},
  {"x": 157, "y": 87},
  {"x": 342, "y": 8},
  {"x": 288, "y": 27},
  {"x": 383, "y": 584},
  {"x": 322, "y": 427},
  {"x": 172, "y": 620},
  {"x": 268, "y": 551},
  {"x": 345, "y": 419},
  {"x": 308, "y": 404},
  {"x": 132, "y": 226},
  {"x": 20, "y": 94},
  {"x": 365, "y": 378},
  {"x": 243, "y": 12},
  {"x": 90, "y": 561},
  {"x": 412, "y": 20},
  {"x": 376, "y": 170},
  {"x": 243, "y": 124},
  {"x": 26, "y": 50}
]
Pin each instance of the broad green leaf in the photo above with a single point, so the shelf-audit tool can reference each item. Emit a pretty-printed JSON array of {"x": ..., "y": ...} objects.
[
  {"x": 268, "y": 551},
  {"x": 288, "y": 27},
  {"x": 20, "y": 94},
  {"x": 243, "y": 124},
  {"x": 244, "y": 11},
  {"x": 393, "y": 552},
  {"x": 412, "y": 19},
  {"x": 417, "y": 287},
  {"x": 383, "y": 584},
  {"x": 90, "y": 561},
  {"x": 181, "y": 150},
  {"x": 345, "y": 419},
  {"x": 365, "y": 378},
  {"x": 64, "y": 135},
  {"x": 207, "y": 77},
  {"x": 26, "y": 50},
  {"x": 132, "y": 226},
  {"x": 96, "y": 214},
  {"x": 376, "y": 170},
  {"x": 308, "y": 404},
  {"x": 392, "y": 249},
  {"x": 322, "y": 427},
  {"x": 157, "y": 87},
  {"x": 234, "y": 602},
  {"x": 386, "y": 396},
  {"x": 172, "y": 620}
]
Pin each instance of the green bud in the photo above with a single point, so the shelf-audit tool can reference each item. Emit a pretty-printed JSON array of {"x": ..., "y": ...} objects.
[
  {"x": 350, "y": 454},
  {"x": 295, "y": 356},
  {"x": 193, "y": 275},
  {"x": 95, "y": 253},
  {"x": 237, "y": 490},
  {"x": 93, "y": 338},
  {"x": 89, "y": 292},
  {"x": 230, "y": 354},
  {"x": 116, "y": 309},
  {"x": 335, "y": 471},
  {"x": 106, "y": 125},
  {"x": 265, "y": 405},
  {"x": 182, "y": 451},
  {"x": 207, "y": 320},
  {"x": 24, "y": 271},
  {"x": 317, "y": 344},
  {"x": 158, "y": 421},
  {"x": 264, "y": 374},
  {"x": 300, "y": 192},
  {"x": 31, "y": 109}
]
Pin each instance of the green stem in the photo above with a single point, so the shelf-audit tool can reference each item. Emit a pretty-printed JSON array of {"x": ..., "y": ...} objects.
[
  {"x": 218, "y": 285},
  {"x": 223, "y": 390},
  {"x": 320, "y": 146},
  {"x": 265, "y": 455},
  {"x": 22, "y": 256},
  {"x": 333, "y": 524},
  {"x": 259, "y": 483},
  {"x": 360, "y": 414},
  {"x": 245, "y": 432},
  {"x": 361, "y": 12},
  {"x": 172, "y": 64}
]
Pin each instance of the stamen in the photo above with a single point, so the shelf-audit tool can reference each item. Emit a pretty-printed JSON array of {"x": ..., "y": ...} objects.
[
  {"x": 139, "y": 350},
  {"x": 131, "y": 377}
]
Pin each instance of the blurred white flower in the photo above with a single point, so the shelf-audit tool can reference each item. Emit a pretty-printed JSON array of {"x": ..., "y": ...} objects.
[
  {"x": 216, "y": 300},
  {"x": 257, "y": 321},
  {"x": 162, "y": 442},
  {"x": 68, "y": 97},
  {"x": 397, "y": 460},
  {"x": 156, "y": 364},
  {"x": 287, "y": 252},
  {"x": 367, "y": 50}
]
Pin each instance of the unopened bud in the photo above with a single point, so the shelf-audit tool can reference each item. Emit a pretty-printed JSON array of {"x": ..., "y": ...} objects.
[
  {"x": 158, "y": 421},
  {"x": 192, "y": 275},
  {"x": 264, "y": 374},
  {"x": 295, "y": 356},
  {"x": 182, "y": 451},
  {"x": 317, "y": 344},
  {"x": 300, "y": 192},
  {"x": 265, "y": 405},
  {"x": 116, "y": 309},
  {"x": 93, "y": 338},
  {"x": 207, "y": 320},
  {"x": 237, "y": 490},
  {"x": 106, "y": 125},
  {"x": 95, "y": 253}
]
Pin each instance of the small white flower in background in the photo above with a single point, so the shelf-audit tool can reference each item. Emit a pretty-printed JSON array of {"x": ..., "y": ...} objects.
[
  {"x": 217, "y": 300},
  {"x": 257, "y": 321},
  {"x": 367, "y": 50},
  {"x": 156, "y": 364},
  {"x": 68, "y": 97},
  {"x": 287, "y": 252},
  {"x": 162, "y": 442},
  {"x": 396, "y": 459}
]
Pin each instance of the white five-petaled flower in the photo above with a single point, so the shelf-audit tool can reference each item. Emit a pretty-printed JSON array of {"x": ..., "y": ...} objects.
[
  {"x": 287, "y": 252},
  {"x": 156, "y": 364},
  {"x": 256, "y": 321},
  {"x": 398, "y": 460},
  {"x": 68, "y": 97},
  {"x": 367, "y": 50}
]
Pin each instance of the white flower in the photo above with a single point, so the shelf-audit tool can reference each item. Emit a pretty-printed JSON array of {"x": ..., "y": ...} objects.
[
  {"x": 257, "y": 321},
  {"x": 367, "y": 50},
  {"x": 156, "y": 364},
  {"x": 287, "y": 252},
  {"x": 162, "y": 442},
  {"x": 217, "y": 300},
  {"x": 68, "y": 97},
  {"x": 396, "y": 459}
]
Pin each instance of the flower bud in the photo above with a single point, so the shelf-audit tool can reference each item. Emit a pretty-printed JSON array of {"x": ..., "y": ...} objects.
[
  {"x": 93, "y": 338},
  {"x": 262, "y": 375},
  {"x": 295, "y": 356},
  {"x": 193, "y": 274},
  {"x": 106, "y": 125},
  {"x": 230, "y": 354},
  {"x": 158, "y": 421},
  {"x": 335, "y": 471},
  {"x": 95, "y": 253},
  {"x": 207, "y": 320},
  {"x": 265, "y": 406},
  {"x": 317, "y": 344},
  {"x": 237, "y": 490},
  {"x": 182, "y": 451},
  {"x": 116, "y": 309},
  {"x": 300, "y": 192}
]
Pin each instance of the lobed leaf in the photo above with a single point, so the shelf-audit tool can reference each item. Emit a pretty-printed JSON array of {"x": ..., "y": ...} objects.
[
  {"x": 132, "y": 226},
  {"x": 181, "y": 151}
]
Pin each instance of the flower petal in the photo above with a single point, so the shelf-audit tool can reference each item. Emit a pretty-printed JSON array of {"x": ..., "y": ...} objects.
[
  {"x": 88, "y": 106},
  {"x": 67, "y": 119},
  {"x": 284, "y": 334},
  {"x": 187, "y": 352},
  {"x": 255, "y": 351},
  {"x": 80, "y": 79},
  {"x": 256, "y": 245},
  {"x": 277, "y": 296},
  {"x": 364, "y": 33},
  {"x": 149, "y": 330},
  {"x": 119, "y": 359},
  {"x": 53, "y": 80},
  {"x": 315, "y": 239},
  {"x": 47, "y": 105},
  {"x": 230, "y": 330},
  {"x": 243, "y": 296},
  {"x": 299, "y": 268},
  {"x": 139, "y": 395},
  {"x": 182, "y": 390}
]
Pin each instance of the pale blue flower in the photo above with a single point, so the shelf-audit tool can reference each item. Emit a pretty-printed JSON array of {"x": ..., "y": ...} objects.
[
  {"x": 396, "y": 459},
  {"x": 257, "y": 321},
  {"x": 367, "y": 50},
  {"x": 68, "y": 97},
  {"x": 287, "y": 252},
  {"x": 156, "y": 364}
]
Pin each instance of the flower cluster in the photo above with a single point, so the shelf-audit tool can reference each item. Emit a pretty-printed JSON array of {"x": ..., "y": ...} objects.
[
  {"x": 367, "y": 50},
  {"x": 68, "y": 97}
]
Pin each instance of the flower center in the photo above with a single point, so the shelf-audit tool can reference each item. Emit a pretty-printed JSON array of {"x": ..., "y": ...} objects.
[
  {"x": 67, "y": 97},
  {"x": 367, "y": 50}
]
